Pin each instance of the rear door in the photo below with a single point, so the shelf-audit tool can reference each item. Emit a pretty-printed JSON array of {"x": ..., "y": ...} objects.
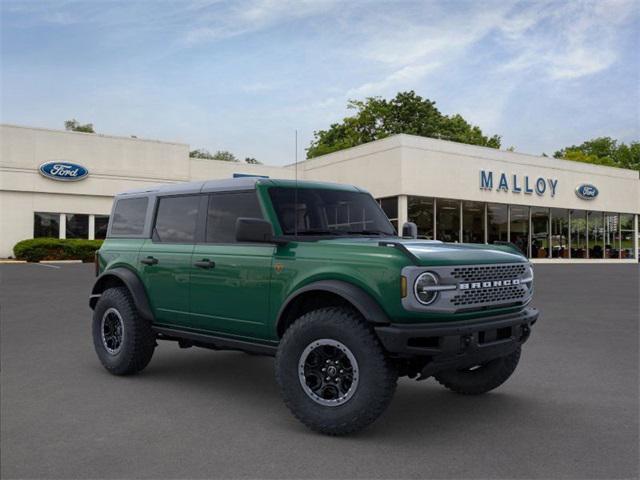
[
  {"x": 230, "y": 281},
  {"x": 165, "y": 259}
]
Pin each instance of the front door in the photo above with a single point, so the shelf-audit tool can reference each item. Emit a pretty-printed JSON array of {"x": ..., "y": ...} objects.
[
  {"x": 230, "y": 281},
  {"x": 165, "y": 259}
]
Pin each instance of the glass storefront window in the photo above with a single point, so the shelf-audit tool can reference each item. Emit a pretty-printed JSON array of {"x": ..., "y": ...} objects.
[
  {"x": 559, "y": 233},
  {"x": 595, "y": 225},
  {"x": 77, "y": 226},
  {"x": 46, "y": 225},
  {"x": 611, "y": 236},
  {"x": 497, "y": 223},
  {"x": 520, "y": 227},
  {"x": 448, "y": 220},
  {"x": 578, "y": 234},
  {"x": 420, "y": 212},
  {"x": 100, "y": 226},
  {"x": 626, "y": 235},
  {"x": 390, "y": 207},
  {"x": 540, "y": 247},
  {"x": 473, "y": 222}
]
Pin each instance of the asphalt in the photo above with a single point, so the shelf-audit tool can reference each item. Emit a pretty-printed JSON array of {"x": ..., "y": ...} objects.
[{"x": 570, "y": 410}]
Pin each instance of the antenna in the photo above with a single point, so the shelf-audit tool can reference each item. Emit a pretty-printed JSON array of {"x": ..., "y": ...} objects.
[{"x": 295, "y": 191}]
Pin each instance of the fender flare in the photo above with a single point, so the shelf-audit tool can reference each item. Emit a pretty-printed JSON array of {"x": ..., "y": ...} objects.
[
  {"x": 132, "y": 282},
  {"x": 356, "y": 296}
]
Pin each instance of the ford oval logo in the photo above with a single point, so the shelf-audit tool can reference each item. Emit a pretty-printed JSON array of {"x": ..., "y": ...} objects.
[
  {"x": 63, "y": 171},
  {"x": 586, "y": 191}
]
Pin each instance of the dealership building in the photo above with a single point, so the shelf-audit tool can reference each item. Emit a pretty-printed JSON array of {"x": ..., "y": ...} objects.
[{"x": 61, "y": 184}]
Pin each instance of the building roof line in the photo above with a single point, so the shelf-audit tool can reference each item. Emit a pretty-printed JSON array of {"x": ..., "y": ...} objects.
[{"x": 118, "y": 137}]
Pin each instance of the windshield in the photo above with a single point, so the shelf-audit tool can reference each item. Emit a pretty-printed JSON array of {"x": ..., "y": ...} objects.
[{"x": 328, "y": 212}]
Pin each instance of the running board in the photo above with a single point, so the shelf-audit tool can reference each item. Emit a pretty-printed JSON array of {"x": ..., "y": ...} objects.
[{"x": 215, "y": 342}]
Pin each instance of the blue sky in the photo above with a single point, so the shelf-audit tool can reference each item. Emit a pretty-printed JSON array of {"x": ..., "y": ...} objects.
[{"x": 242, "y": 76}]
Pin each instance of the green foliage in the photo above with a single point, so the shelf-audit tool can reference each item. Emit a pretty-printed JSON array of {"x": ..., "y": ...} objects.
[
  {"x": 75, "y": 126},
  {"x": 222, "y": 155},
  {"x": 252, "y": 161},
  {"x": 36, "y": 249},
  {"x": 201, "y": 153},
  {"x": 604, "y": 151},
  {"x": 377, "y": 118}
]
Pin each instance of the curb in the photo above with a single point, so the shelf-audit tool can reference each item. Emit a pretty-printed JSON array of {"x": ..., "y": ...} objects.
[{"x": 8, "y": 261}]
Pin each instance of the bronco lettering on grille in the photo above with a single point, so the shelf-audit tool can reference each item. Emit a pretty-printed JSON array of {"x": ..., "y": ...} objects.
[{"x": 494, "y": 283}]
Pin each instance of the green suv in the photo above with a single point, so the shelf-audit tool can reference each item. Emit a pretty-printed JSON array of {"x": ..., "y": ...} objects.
[{"x": 315, "y": 275}]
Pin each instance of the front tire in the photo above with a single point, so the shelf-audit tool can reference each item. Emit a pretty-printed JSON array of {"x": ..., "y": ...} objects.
[
  {"x": 124, "y": 341},
  {"x": 482, "y": 378},
  {"x": 332, "y": 372}
]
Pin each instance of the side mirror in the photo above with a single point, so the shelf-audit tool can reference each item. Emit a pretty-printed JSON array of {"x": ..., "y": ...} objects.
[
  {"x": 409, "y": 230},
  {"x": 254, "y": 230}
]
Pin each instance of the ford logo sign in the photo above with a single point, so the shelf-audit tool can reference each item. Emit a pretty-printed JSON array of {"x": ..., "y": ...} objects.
[
  {"x": 63, "y": 171},
  {"x": 586, "y": 191}
]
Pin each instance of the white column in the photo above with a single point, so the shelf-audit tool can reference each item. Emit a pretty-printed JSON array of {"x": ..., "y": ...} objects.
[
  {"x": 435, "y": 220},
  {"x": 403, "y": 212},
  {"x": 460, "y": 233},
  {"x": 92, "y": 225},
  {"x": 635, "y": 237},
  {"x": 63, "y": 225}
]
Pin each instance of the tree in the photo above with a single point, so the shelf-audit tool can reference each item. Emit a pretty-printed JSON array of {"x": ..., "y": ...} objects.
[
  {"x": 252, "y": 161},
  {"x": 75, "y": 126},
  {"x": 201, "y": 153},
  {"x": 377, "y": 118},
  {"x": 604, "y": 151},
  {"x": 222, "y": 155}
]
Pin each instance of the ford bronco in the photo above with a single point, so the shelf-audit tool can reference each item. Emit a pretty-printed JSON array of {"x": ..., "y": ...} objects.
[{"x": 315, "y": 275}]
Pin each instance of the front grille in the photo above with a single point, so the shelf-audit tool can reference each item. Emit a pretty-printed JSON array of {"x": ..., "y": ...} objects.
[
  {"x": 510, "y": 294},
  {"x": 467, "y": 288},
  {"x": 481, "y": 273}
]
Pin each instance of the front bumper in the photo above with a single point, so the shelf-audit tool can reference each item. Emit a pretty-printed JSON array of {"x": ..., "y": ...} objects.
[{"x": 459, "y": 344}]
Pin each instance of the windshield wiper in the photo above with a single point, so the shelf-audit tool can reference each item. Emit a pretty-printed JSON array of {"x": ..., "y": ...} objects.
[
  {"x": 321, "y": 232},
  {"x": 369, "y": 232}
]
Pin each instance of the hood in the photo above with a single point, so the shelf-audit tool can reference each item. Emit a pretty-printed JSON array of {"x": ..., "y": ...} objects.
[{"x": 434, "y": 253}]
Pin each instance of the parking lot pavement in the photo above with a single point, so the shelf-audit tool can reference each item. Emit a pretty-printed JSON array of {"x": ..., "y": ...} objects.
[{"x": 570, "y": 411}]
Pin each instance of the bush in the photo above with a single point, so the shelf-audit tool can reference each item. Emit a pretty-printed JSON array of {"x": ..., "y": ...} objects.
[{"x": 36, "y": 249}]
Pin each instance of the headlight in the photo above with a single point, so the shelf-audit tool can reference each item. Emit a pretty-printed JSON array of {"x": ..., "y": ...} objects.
[{"x": 424, "y": 288}]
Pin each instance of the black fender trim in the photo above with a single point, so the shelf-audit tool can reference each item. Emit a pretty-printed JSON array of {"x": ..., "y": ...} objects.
[
  {"x": 361, "y": 300},
  {"x": 132, "y": 282}
]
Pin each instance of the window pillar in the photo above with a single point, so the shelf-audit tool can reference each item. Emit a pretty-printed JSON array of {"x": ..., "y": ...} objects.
[
  {"x": 403, "y": 212},
  {"x": 92, "y": 227},
  {"x": 63, "y": 225}
]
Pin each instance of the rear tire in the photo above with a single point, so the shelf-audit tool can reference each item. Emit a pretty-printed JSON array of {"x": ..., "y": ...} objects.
[
  {"x": 122, "y": 339},
  {"x": 481, "y": 379},
  {"x": 358, "y": 380}
]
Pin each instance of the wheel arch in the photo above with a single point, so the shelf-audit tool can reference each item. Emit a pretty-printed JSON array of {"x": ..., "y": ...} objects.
[
  {"x": 329, "y": 293},
  {"x": 123, "y": 277}
]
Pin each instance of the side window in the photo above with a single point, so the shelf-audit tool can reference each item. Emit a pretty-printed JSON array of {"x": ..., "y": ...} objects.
[
  {"x": 129, "y": 215},
  {"x": 224, "y": 210},
  {"x": 176, "y": 219}
]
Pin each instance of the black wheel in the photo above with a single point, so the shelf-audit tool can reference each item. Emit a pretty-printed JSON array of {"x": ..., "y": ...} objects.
[
  {"x": 333, "y": 373},
  {"x": 480, "y": 378},
  {"x": 123, "y": 340}
]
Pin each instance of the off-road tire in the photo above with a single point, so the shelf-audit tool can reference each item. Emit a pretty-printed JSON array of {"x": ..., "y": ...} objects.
[
  {"x": 482, "y": 379},
  {"x": 138, "y": 341},
  {"x": 377, "y": 375}
]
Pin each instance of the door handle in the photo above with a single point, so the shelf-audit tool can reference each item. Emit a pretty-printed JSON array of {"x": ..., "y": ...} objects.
[
  {"x": 149, "y": 261},
  {"x": 205, "y": 263}
]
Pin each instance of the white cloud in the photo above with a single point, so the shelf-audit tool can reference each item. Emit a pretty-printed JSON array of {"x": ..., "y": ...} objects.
[
  {"x": 564, "y": 41},
  {"x": 400, "y": 79}
]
